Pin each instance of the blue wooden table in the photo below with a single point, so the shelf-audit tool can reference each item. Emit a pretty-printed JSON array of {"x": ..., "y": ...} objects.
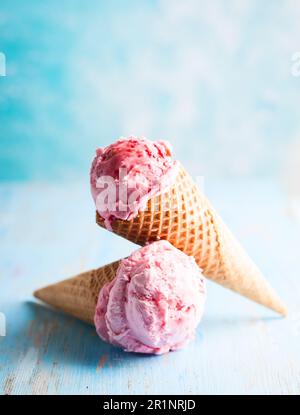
[{"x": 47, "y": 232}]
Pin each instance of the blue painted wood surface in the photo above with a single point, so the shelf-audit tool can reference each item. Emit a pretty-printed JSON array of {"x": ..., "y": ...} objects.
[{"x": 47, "y": 232}]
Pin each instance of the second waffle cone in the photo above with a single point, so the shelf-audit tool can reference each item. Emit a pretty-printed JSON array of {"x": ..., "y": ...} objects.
[{"x": 78, "y": 295}]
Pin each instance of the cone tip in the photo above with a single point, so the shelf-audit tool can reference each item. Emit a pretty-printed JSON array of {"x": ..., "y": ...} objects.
[
  {"x": 281, "y": 309},
  {"x": 38, "y": 294},
  {"x": 284, "y": 311}
]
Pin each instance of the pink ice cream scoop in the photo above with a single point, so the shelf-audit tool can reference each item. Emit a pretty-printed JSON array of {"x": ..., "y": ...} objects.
[
  {"x": 154, "y": 303},
  {"x": 127, "y": 173}
]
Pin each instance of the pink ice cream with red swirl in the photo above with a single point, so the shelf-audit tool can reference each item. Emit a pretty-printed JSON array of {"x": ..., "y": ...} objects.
[
  {"x": 154, "y": 303},
  {"x": 127, "y": 173}
]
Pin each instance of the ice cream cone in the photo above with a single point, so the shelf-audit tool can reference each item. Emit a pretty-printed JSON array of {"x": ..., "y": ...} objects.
[
  {"x": 78, "y": 296},
  {"x": 184, "y": 217}
]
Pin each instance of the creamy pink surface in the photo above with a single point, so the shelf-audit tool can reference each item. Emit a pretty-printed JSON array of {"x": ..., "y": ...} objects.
[
  {"x": 141, "y": 167},
  {"x": 154, "y": 303}
]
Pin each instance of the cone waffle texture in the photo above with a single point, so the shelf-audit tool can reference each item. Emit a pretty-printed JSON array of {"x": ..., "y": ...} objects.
[
  {"x": 184, "y": 217},
  {"x": 78, "y": 296}
]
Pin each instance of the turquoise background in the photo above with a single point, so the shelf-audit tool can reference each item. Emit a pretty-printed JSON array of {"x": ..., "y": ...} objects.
[{"x": 214, "y": 78}]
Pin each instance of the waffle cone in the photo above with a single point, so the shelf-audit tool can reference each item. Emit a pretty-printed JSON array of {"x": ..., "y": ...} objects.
[
  {"x": 185, "y": 218},
  {"x": 78, "y": 296}
]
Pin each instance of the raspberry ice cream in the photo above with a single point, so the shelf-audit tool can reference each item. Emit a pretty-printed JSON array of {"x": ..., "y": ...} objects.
[
  {"x": 154, "y": 303},
  {"x": 127, "y": 173}
]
